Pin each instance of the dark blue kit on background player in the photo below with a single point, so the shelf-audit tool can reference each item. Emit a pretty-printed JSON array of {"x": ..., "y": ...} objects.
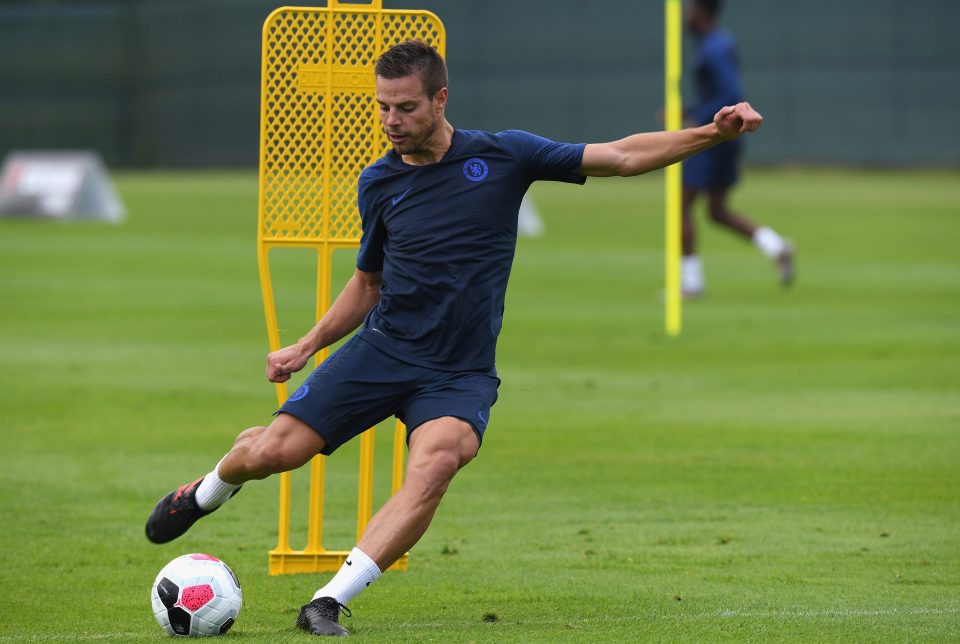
[{"x": 716, "y": 71}]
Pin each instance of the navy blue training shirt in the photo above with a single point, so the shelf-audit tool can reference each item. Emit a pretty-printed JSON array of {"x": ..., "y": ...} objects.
[
  {"x": 716, "y": 70},
  {"x": 444, "y": 236}
]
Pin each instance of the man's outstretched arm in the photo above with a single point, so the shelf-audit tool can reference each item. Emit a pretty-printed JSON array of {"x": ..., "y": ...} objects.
[
  {"x": 356, "y": 299},
  {"x": 642, "y": 153}
]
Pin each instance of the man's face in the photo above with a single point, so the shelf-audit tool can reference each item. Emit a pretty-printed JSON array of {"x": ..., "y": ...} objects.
[
  {"x": 695, "y": 17},
  {"x": 408, "y": 115},
  {"x": 692, "y": 16}
]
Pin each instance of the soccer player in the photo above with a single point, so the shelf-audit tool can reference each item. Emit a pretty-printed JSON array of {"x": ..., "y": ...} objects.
[
  {"x": 715, "y": 171},
  {"x": 439, "y": 218}
]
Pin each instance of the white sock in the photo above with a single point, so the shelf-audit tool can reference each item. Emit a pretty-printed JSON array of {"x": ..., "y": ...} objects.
[
  {"x": 356, "y": 573},
  {"x": 769, "y": 242},
  {"x": 214, "y": 491},
  {"x": 691, "y": 274}
]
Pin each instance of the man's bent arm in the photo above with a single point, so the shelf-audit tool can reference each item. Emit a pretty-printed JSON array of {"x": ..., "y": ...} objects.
[
  {"x": 648, "y": 151},
  {"x": 357, "y": 298}
]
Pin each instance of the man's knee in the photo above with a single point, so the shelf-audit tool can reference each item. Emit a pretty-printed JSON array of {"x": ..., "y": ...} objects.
[
  {"x": 454, "y": 454},
  {"x": 467, "y": 450},
  {"x": 717, "y": 206},
  {"x": 271, "y": 457},
  {"x": 286, "y": 445},
  {"x": 718, "y": 213},
  {"x": 432, "y": 476},
  {"x": 443, "y": 466},
  {"x": 248, "y": 435},
  {"x": 437, "y": 455}
]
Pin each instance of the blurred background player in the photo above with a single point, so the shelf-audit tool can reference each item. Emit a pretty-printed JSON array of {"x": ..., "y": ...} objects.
[{"x": 715, "y": 171}]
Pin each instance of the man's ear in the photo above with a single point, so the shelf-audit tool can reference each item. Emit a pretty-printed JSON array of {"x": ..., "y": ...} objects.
[{"x": 440, "y": 100}]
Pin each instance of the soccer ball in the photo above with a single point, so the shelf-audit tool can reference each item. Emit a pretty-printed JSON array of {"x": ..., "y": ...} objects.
[{"x": 196, "y": 595}]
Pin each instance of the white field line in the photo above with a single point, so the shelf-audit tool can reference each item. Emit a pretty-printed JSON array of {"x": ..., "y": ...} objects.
[{"x": 723, "y": 614}]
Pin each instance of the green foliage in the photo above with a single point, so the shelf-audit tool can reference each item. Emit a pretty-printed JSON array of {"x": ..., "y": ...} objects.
[{"x": 784, "y": 470}]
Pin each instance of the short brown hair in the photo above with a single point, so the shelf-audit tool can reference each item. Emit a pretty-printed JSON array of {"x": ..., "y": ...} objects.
[{"x": 414, "y": 57}]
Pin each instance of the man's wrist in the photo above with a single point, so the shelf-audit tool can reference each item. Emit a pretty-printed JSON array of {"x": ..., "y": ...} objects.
[
  {"x": 307, "y": 346},
  {"x": 710, "y": 134},
  {"x": 717, "y": 135}
]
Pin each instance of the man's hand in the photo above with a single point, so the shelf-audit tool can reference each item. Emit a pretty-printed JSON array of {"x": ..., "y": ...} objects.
[
  {"x": 282, "y": 363},
  {"x": 361, "y": 294},
  {"x": 734, "y": 120}
]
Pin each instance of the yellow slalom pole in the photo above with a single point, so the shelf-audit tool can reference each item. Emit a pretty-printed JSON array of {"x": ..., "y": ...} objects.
[{"x": 673, "y": 114}]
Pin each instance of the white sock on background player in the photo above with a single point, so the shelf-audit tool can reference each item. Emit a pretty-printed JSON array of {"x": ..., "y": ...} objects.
[
  {"x": 356, "y": 573},
  {"x": 214, "y": 491},
  {"x": 691, "y": 275},
  {"x": 770, "y": 243}
]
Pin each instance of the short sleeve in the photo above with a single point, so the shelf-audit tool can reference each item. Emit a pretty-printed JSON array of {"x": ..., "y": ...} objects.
[
  {"x": 545, "y": 159},
  {"x": 370, "y": 257}
]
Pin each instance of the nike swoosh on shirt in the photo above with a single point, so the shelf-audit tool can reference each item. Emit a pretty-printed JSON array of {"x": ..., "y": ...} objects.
[{"x": 397, "y": 200}]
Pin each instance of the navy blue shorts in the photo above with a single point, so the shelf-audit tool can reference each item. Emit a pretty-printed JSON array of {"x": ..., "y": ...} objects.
[
  {"x": 360, "y": 385},
  {"x": 716, "y": 167}
]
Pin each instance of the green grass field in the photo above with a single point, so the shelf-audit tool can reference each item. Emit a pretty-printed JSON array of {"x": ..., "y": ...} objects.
[{"x": 787, "y": 469}]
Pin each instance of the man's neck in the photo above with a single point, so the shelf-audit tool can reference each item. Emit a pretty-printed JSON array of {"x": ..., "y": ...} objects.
[{"x": 436, "y": 147}]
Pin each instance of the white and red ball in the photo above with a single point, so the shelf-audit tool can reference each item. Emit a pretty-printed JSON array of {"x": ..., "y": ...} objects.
[{"x": 196, "y": 595}]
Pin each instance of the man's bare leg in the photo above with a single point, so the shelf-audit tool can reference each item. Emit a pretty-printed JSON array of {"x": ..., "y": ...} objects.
[
  {"x": 688, "y": 233},
  {"x": 769, "y": 242},
  {"x": 257, "y": 453},
  {"x": 438, "y": 449},
  {"x": 723, "y": 216},
  {"x": 692, "y": 282}
]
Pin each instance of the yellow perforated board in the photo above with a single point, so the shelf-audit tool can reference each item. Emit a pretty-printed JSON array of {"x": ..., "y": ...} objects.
[
  {"x": 319, "y": 128},
  {"x": 319, "y": 121}
]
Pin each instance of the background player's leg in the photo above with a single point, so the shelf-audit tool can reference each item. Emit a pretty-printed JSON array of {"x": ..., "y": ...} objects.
[
  {"x": 769, "y": 242},
  {"x": 691, "y": 268},
  {"x": 722, "y": 215},
  {"x": 438, "y": 448},
  {"x": 688, "y": 232}
]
